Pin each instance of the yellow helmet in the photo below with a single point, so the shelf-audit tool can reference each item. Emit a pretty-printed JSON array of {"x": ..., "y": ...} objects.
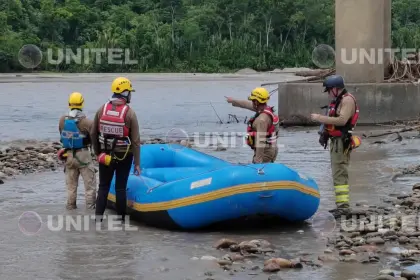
[
  {"x": 76, "y": 100},
  {"x": 260, "y": 94},
  {"x": 121, "y": 84}
]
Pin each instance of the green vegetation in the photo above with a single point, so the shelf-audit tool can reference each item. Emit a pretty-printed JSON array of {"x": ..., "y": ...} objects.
[{"x": 181, "y": 35}]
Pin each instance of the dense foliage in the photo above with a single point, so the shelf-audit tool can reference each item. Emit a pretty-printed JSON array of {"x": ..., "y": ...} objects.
[{"x": 181, "y": 35}]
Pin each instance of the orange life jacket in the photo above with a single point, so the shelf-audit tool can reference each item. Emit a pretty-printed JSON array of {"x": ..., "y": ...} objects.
[
  {"x": 339, "y": 131},
  {"x": 112, "y": 125},
  {"x": 272, "y": 132}
]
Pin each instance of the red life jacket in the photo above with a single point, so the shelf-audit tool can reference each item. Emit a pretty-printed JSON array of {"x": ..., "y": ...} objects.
[
  {"x": 338, "y": 131},
  {"x": 112, "y": 125},
  {"x": 272, "y": 132}
]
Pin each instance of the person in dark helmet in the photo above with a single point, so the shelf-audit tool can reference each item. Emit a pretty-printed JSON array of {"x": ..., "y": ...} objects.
[{"x": 337, "y": 126}]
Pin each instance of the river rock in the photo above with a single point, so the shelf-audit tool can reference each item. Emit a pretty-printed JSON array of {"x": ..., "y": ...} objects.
[
  {"x": 234, "y": 248},
  {"x": 413, "y": 234},
  {"x": 236, "y": 257},
  {"x": 328, "y": 258},
  {"x": 282, "y": 263},
  {"x": 271, "y": 267},
  {"x": 387, "y": 272},
  {"x": 224, "y": 262},
  {"x": 225, "y": 243},
  {"x": 345, "y": 252},
  {"x": 354, "y": 234},
  {"x": 416, "y": 187},
  {"x": 260, "y": 243},
  {"x": 208, "y": 258},
  {"x": 385, "y": 277},
  {"x": 248, "y": 247},
  {"x": 408, "y": 274},
  {"x": 47, "y": 150},
  {"x": 365, "y": 248},
  {"x": 403, "y": 239},
  {"x": 350, "y": 258},
  {"x": 274, "y": 277},
  {"x": 375, "y": 240}
]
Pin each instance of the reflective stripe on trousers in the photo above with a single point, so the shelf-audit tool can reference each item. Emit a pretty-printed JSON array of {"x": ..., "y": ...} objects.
[{"x": 342, "y": 194}]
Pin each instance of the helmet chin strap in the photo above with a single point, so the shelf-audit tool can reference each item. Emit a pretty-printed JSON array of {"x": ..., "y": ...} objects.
[{"x": 125, "y": 95}]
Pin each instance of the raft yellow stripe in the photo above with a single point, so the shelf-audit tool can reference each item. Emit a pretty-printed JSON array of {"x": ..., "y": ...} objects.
[{"x": 213, "y": 195}]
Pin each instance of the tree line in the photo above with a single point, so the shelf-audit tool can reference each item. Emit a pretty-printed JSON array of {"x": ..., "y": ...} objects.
[{"x": 177, "y": 35}]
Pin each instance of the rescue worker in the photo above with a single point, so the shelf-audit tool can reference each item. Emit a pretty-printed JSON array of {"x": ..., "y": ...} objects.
[
  {"x": 115, "y": 131},
  {"x": 337, "y": 126},
  {"x": 262, "y": 128},
  {"x": 74, "y": 129}
]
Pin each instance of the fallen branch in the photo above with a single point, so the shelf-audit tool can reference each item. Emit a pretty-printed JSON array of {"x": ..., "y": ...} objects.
[
  {"x": 311, "y": 73},
  {"x": 393, "y": 132}
]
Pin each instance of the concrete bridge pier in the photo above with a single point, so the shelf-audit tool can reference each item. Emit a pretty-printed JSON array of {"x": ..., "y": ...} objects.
[{"x": 362, "y": 36}]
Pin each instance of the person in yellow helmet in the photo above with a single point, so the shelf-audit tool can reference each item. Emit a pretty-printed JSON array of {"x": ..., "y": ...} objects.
[
  {"x": 116, "y": 142},
  {"x": 74, "y": 129},
  {"x": 263, "y": 127}
]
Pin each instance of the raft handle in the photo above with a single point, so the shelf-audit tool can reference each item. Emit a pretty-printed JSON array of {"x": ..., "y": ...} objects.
[
  {"x": 261, "y": 171},
  {"x": 265, "y": 196}
]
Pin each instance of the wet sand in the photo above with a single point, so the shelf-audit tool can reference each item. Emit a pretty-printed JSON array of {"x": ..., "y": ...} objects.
[{"x": 31, "y": 111}]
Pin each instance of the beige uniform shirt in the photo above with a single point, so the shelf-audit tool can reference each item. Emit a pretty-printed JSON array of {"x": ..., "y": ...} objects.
[
  {"x": 131, "y": 122},
  {"x": 345, "y": 111},
  {"x": 260, "y": 125}
]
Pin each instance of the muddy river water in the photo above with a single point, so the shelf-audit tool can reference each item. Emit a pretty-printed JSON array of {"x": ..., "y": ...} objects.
[{"x": 30, "y": 110}]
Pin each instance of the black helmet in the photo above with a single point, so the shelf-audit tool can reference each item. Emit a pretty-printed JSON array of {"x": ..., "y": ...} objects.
[{"x": 334, "y": 81}]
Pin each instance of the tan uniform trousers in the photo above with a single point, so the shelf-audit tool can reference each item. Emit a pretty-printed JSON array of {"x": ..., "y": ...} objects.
[
  {"x": 339, "y": 166},
  {"x": 81, "y": 164},
  {"x": 270, "y": 154}
]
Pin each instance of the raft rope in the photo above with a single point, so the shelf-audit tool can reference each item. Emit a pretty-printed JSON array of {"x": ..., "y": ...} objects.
[{"x": 260, "y": 171}]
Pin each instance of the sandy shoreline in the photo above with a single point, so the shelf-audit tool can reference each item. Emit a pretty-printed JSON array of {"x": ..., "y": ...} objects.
[{"x": 274, "y": 76}]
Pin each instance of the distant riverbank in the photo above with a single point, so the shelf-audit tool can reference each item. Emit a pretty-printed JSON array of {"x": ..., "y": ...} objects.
[{"x": 246, "y": 73}]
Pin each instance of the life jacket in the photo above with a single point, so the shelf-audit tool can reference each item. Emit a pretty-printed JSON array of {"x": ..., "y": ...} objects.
[
  {"x": 113, "y": 130},
  {"x": 272, "y": 132},
  {"x": 71, "y": 137},
  {"x": 339, "y": 131}
]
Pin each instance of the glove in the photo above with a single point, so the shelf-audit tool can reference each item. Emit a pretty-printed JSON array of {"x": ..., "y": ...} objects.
[
  {"x": 61, "y": 154},
  {"x": 347, "y": 144},
  {"x": 323, "y": 139}
]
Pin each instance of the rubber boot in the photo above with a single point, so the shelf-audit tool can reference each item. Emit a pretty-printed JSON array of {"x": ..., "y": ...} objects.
[
  {"x": 342, "y": 209},
  {"x": 71, "y": 206}
]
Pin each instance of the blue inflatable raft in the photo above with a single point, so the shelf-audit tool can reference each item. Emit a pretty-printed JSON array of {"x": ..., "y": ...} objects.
[{"x": 182, "y": 188}]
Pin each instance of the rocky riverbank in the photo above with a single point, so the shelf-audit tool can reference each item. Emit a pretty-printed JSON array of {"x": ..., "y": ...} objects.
[
  {"x": 368, "y": 234},
  {"x": 36, "y": 156}
]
